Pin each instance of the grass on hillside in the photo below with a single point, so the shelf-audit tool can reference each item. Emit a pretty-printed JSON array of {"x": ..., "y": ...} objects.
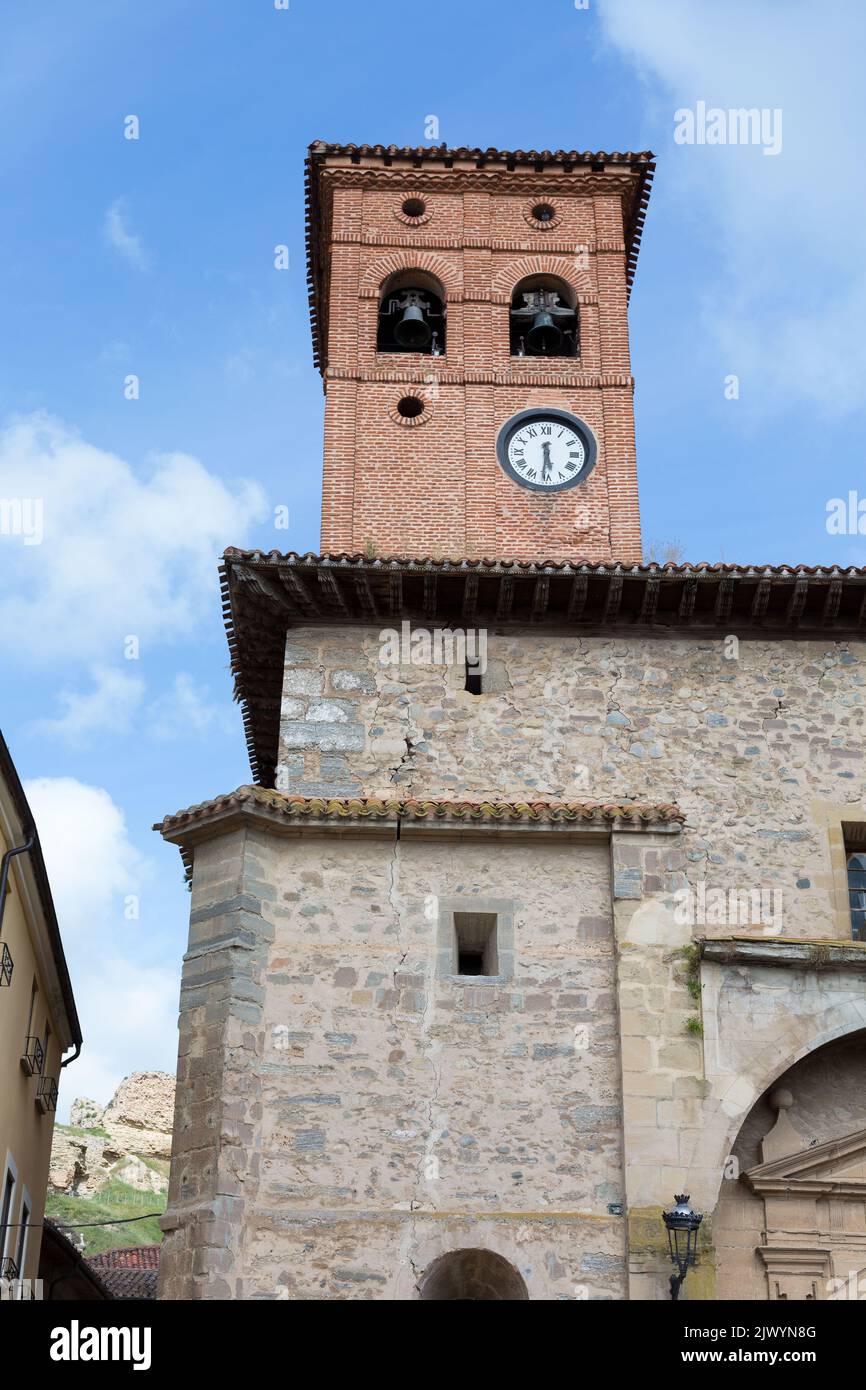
[{"x": 117, "y": 1200}]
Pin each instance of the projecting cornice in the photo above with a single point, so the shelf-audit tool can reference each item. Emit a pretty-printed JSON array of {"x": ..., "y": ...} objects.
[
  {"x": 792, "y": 954},
  {"x": 265, "y": 594},
  {"x": 836, "y": 1168},
  {"x": 384, "y": 817}
]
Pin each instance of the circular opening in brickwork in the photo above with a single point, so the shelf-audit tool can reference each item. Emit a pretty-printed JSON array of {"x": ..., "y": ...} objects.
[
  {"x": 410, "y": 407},
  {"x": 543, "y": 212},
  {"x": 414, "y": 207}
]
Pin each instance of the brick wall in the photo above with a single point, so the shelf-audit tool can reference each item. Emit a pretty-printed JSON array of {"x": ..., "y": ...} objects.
[{"x": 434, "y": 485}]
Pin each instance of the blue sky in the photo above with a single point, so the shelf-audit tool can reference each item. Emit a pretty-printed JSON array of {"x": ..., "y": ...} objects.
[{"x": 154, "y": 257}]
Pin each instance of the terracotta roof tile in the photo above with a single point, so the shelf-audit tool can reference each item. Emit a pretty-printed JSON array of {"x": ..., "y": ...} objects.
[
  {"x": 128, "y": 1257},
  {"x": 130, "y": 1272},
  {"x": 367, "y": 810},
  {"x": 535, "y": 567},
  {"x": 130, "y": 1283},
  {"x": 476, "y": 153}
]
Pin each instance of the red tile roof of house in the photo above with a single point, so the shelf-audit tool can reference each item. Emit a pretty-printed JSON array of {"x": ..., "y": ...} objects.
[
  {"x": 128, "y": 1257},
  {"x": 130, "y": 1272}
]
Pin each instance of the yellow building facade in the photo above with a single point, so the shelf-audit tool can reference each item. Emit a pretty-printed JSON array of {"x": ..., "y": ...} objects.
[{"x": 38, "y": 1024}]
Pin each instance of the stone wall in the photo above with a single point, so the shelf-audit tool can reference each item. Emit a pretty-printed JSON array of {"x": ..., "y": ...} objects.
[
  {"x": 347, "y": 1113},
  {"x": 214, "y": 1158},
  {"x": 764, "y": 753},
  {"x": 759, "y": 742},
  {"x": 388, "y": 1105}
]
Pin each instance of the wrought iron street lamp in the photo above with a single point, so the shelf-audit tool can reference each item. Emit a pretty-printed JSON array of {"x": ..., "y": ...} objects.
[{"x": 682, "y": 1226}]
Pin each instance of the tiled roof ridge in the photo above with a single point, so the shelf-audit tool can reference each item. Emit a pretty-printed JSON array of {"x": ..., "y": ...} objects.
[
  {"x": 235, "y": 555},
  {"x": 443, "y": 151},
  {"x": 426, "y": 808},
  {"x": 128, "y": 1257}
]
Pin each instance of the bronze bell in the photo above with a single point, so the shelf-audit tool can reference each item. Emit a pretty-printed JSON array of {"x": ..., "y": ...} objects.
[
  {"x": 413, "y": 332},
  {"x": 543, "y": 337}
]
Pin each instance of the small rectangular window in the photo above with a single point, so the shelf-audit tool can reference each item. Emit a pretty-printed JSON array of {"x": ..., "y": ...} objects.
[
  {"x": 474, "y": 677},
  {"x": 475, "y": 944}
]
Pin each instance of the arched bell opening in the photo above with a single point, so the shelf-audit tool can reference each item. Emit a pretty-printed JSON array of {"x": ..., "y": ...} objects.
[
  {"x": 472, "y": 1276},
  {"x": 412, "y": 314},
  {"x": 790, "y": 1222},
  {"x": 543, "y": 318}
]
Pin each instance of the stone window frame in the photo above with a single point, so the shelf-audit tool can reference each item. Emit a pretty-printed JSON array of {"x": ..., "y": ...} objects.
[{"x": 446, "y": 938}]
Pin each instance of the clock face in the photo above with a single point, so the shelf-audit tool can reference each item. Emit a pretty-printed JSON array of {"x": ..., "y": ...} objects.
[{"x": 546, "y": 450}]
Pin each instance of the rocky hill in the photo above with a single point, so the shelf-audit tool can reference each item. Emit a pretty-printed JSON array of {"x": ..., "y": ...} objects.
[{"x": 110, "y": 1160}]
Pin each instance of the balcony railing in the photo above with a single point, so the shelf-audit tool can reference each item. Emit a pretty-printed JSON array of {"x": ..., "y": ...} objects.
[
  {"x": 6, "y": 966},
  {"x": 46, "y": 1094},
  {"x": 33, "y": 1058}
]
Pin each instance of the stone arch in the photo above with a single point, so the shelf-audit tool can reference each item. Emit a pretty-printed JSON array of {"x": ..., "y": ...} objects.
[
  {"x": 410, "y": 259},
  {"x": 780, "y": 1228},
  {"x": 472, "y": 1275},
  {"x": 854, "y": 1023},
  {"x": 560, "y": 267},
  {"x": 738, "y": 1081}
]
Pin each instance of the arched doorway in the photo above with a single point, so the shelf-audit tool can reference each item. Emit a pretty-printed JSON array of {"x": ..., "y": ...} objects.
[
  {"x": 473, "y": 1276},
  {"x": 791, "y": 1217}
]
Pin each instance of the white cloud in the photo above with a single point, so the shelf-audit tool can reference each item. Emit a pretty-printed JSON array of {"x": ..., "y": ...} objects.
[
  {"x": 116, "y": 704},
  {"x": 92, "y": 865},
  {"x": 107, "y": 708},
  {"x": 120, "y": 238},
  {"x": 789, "y": 292},
  {"x": 128, "y": 1018},
  {"x": 187, "y": 710},
  {"x": 127, "y": 1007},
  {"x": 122, "y": 554}
]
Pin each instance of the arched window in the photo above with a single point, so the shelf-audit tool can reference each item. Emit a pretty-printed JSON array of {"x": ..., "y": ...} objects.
[
  {"x": 857, "y": 893},
  {"x": 543, "y": 318},
  {"x": 412, "y": 314}
]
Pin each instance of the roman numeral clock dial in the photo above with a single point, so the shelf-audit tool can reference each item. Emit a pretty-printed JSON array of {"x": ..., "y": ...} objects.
[{"x": 546, "y": 450}]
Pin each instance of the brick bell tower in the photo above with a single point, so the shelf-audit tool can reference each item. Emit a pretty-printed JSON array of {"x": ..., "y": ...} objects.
[{"x": 469, "y": 313}]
